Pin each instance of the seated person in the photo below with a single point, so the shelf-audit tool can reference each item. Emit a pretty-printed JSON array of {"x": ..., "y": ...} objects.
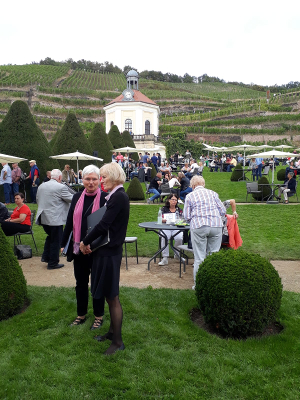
[
  {"x": 154, "y": 187},
  {"x": 200, "y": 168},
  {"x": 171, "y": 207},
  {"x": 68, "y": 175},
  {"x": 289, "y": 186},
  {"x": 166, "y": 177},
  {"x": 231, "y": 165},
  {"x": 19, "y": 221},
  {"x": 3, "y": 212},
  {"x": 194, "y": 166},
  {"x": 167, "y": 167},
  {"x": 290, "y": 168},
  {"x": 185, "y": 168},
  {"x": 162, "y": 168},
  {"x": 136, "y": 171},
  {"x": 228, "y": 203},
  {"x": 184, "y": 185},
  {"x": 218, "y": 165},
  {"x": 212, "y": 165}
]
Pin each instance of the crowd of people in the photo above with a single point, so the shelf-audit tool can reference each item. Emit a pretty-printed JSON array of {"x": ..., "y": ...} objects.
[{"x": 64, "y": 214}]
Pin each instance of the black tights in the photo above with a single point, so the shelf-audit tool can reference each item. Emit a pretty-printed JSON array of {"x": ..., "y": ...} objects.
[{"x": 114, "y": 333}]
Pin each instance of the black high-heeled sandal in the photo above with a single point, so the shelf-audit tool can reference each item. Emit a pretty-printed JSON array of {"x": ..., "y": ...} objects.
[
  {"x": 78, "y": 321},
  {"x": 97, "y": 323}
]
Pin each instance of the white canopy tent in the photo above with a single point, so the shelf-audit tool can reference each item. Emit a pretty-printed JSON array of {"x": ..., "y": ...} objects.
[
  {"x": 4, "y": 158},
  {"x": 271, "y": 154},
  {"x": 76, "y": 156}
]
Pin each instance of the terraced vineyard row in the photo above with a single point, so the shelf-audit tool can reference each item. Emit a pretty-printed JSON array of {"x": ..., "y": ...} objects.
[
  {"x": 84, "y": 112},
  {"x": 95, "y": 81},
  {"x": 27, "y": 75}
]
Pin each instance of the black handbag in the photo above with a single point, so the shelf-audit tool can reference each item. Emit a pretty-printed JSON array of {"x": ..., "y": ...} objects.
[{"x": 23, "y": 251}]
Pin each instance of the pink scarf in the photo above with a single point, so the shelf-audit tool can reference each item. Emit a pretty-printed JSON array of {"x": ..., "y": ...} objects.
[{"x": 77, "y": 216}]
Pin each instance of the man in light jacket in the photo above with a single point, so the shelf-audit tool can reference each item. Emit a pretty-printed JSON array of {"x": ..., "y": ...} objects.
[{"x": 53, "y": 200}]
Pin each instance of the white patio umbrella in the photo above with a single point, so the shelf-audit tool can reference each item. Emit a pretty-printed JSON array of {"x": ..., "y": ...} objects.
[
  {"x": 264, "y": 146},
  {"x": 283, "y": 146},
  {"x": 76, "y": 156},
  {"x": 271, "y": 154},
  {"x": 4, "y": 158},
  {"x": 126, "y": 149},
  {"x": 243, "y": 147}
]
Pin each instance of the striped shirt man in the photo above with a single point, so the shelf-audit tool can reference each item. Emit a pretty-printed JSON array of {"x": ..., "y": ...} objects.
[{"x": 203, "y": 207}]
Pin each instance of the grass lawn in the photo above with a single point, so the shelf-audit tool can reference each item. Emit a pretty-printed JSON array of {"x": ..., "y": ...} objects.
[
  {"x": 166, "y": 355},
  {"x": 270, "y": 230}
]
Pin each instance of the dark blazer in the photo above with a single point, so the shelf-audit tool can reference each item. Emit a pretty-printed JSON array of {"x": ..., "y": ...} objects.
[
  {"x": 115, "y": 220},
  {"x": 291, "y": 184},
  {"x": 87, "y": 209}
]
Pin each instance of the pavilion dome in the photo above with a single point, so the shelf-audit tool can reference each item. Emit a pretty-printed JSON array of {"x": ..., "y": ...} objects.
[{"x": 132, "y": 72}]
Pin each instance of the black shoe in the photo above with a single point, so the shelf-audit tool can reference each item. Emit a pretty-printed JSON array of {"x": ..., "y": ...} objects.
[
  {"x": 97, "y": 323},
  {"x": 78, "y": 321},
  {"x": 56, "y": 266},
  {"x": 107, "y": 336},
  {"x": 44, "y": 260}
]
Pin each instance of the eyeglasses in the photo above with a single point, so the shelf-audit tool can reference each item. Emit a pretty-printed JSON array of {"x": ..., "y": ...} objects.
[{"x": 173, "y": 199}]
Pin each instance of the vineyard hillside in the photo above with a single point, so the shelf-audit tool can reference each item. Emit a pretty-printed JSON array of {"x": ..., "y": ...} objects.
[{"x": 215, "y": 112}]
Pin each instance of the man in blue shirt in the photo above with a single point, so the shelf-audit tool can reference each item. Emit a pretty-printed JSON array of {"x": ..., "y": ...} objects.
[
  {"x": 154, "y": 161},
  {"x": 145, "y": 158}
]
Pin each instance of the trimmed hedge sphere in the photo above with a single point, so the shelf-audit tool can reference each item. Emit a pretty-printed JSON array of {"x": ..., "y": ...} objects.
[
  {"x": 135, "y": 190},
  {"x": 239, "y": 293},
  {"x": 281, "y": 175},
  {"x": 237, "y": 173},
  {"x": 263, "y": 185},
  {"x": 13, "y": 289}
]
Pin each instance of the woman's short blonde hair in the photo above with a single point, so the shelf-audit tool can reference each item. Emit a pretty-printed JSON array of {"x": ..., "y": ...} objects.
[{"x": 114, "y": 172}]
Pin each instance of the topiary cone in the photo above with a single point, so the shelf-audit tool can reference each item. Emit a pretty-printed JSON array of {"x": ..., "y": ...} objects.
[
  {"x": 135, "y": 190},
  {"x": 13, "y": 289}
]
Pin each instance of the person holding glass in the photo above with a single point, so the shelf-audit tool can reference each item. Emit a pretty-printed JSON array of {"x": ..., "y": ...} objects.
[{"x": 169, "y": 212}]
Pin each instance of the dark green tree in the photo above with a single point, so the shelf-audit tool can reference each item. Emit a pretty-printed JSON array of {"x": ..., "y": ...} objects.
[
  {"x": 115, "y": 137},
  {"x": 13, "y": 289},
  {"x": 135, "y": 190},
  {"x": 128, "y": 141},
  {"x": 20, "y": 136},
  {"x": 70, "y": 139},
  {"x": 54, "y": 139},
  {"x": 237, "y": 173},
  {"x": 99, "y": 141}
]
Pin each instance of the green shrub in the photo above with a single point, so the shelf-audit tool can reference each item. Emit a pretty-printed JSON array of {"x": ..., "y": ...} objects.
[
  {"x": 264, "y": 186},
  {"x": 20, "y": 136},
  {"x": 13, "y": 289},
  {"x": 100, "y": 142},
  {"x": 115, "y": 137},
  {"x": 128, "y": 141},
  {"x": 237, "y": 173},
  {"x": 281, "y": 175},
  {"x": 135, "y": 190},
  {"x": 153, "y": 170},
  {"x": 239, "y": 293},
  {"x": 69, "y": 139}
]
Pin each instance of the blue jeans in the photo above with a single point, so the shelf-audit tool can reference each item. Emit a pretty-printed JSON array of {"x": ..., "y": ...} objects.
[
  {"x": 7, "y": 192},
  {"x": 185, "y": 192},
  {"x": 156, "y": 194},
  {"x": 229, "y": 167},
  {"x": 133, "y": 174},
  {"x": 255, "y": 174},
  {"x": 259, "y": 168},
  {"x": 188, "y": 175},
  {"x": 15, "y": 188}
]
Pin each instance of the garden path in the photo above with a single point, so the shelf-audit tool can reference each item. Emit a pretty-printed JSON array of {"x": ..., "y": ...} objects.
[{"x": 138, "y": 276}]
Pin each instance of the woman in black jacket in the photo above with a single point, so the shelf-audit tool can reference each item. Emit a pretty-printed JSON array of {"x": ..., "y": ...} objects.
[
  {"x": 107, "y": 259},
  {"x": 83, "y": 204}
]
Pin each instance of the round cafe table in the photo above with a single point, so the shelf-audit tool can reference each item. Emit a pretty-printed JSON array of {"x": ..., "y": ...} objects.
[{"x": 159, "y": 230}]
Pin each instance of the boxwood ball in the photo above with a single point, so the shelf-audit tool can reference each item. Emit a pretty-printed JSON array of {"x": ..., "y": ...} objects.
[{"x": 239, "y": 293}]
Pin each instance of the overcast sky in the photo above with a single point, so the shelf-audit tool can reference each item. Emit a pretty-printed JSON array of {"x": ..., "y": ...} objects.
[{"x": 245, "y": 41}]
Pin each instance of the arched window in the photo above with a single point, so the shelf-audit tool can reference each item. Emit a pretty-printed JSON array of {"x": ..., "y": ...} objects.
[
  {"x": 147, "y": 127},
  {"x": 128, "y": 125},
  {"x": 111, "y": 123}
]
